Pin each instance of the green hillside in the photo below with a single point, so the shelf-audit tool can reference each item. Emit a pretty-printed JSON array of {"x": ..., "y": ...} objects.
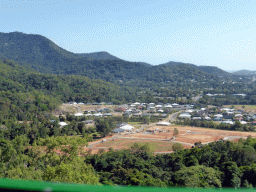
[
  {"x": 207, "y": 69},
  {"x": 25, "y": 93},
  {"x": 43, "y": 55},
  {"x": 99, "y": 55}
]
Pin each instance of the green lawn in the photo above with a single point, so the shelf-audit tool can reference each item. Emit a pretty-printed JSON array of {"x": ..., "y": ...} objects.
[
  {"x": 248, "y": 108},
  {"x": 135, "y": 123},
  {"x": 127, "y": 143}
]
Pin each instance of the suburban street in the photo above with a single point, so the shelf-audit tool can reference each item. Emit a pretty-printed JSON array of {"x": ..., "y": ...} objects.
[{"x": 173, "y": 117}]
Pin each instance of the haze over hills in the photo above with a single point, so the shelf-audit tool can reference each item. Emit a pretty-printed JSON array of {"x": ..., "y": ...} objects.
[
  {"x": 43, "y": 55},
  {"x": 244, "y": 72}
]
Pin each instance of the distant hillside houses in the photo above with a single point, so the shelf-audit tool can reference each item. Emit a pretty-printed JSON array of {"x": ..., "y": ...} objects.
[
  {"x": 150, "y": 109},
  {"x": 222, "y": 115},
  {"x": 221, "y": 94},
  {"x": 88, "y": 103}
]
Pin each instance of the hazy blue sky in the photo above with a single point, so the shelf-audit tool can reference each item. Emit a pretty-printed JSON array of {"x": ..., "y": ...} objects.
[{"x": 203, "y": 32}]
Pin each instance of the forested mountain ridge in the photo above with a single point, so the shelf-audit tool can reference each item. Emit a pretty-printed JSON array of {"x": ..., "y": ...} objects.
[
  {"x": 208, "y": 69},
  {"x": 45, "y": 56},
  {"x": 35, "y": 51}
]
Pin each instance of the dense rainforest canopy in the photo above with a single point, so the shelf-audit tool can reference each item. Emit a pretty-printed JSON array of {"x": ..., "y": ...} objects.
[
  {"x": 25, "y": 93},
  {"x": 218, "y": 164}
]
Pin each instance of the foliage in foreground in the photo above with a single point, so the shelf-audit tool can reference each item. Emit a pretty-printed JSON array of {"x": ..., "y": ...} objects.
[
  {"x": 218, "y": 164},
  {"x": 19, "y": 160}
]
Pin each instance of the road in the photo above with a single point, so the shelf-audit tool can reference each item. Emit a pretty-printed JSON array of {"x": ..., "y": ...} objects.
[
  {"x": 197, "y": 97},
  {"x": 172, "y": 117}
]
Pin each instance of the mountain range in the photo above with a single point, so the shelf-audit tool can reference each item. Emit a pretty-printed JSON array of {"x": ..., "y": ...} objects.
[{"x": 43, "y": 55}]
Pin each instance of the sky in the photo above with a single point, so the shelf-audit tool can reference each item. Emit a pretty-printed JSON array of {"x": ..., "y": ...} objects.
[{"x": 203, "y": 32}]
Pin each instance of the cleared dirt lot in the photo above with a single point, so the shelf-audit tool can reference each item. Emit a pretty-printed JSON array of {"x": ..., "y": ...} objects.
[
  {"x": 156, "y": 146},
  {"x": 192, "y": 138},
  {"x": 160, "y": 141},
  {"x": 191, "y": 135},
  {"x": 156, "y": 135},
  {"x": 215, "y": 131}
]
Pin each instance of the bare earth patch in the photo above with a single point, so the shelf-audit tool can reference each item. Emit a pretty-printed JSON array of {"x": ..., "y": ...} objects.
[
  {"x": 156, "y": 146},
  {"x": 192, "y": 138},
  {"x": 190, "y": 135},
  {"x": 224, "y": 133},
  {"x": 156, "y": 135}
]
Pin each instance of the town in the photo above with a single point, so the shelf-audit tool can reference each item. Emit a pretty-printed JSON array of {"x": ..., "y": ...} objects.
[{"x": 161, "y": 125}]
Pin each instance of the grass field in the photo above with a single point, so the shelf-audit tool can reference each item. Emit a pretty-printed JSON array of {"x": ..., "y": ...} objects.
[
  {"x": 247, "y": 108},
  {"x": 135, "y": 124},
  {"x": 127, "y": 143}
]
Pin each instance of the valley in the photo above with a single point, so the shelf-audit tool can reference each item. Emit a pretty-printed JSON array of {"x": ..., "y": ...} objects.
[
  {"x": 115, "y": 122},
  {"x": 158, "y": 137}
]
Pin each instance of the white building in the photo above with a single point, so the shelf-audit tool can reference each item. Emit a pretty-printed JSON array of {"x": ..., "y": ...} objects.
[
  {"x": 218, "y": 115},
  {"x": 207, "y": 118},
  {"x": 196, "y": 118},
  {"x": 189, "y": 111},
  {"x": 122, "y": 128},
  {"x": 62, "y": 124},
  {"x": 127, "y": 127},
  {"x": 175, "y": 105},
  {"x": 98, "y": 114},
  {"x": 164, "y": 123},
  {"x": 79, "y": 114},
  {"x": 228, "y": 122},
  {"x": 225, "y": 109},
  {"x": 185, "y": 116}
]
